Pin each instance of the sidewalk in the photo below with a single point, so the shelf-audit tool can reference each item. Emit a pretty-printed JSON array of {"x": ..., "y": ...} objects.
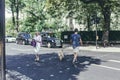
[{"x": 98, "y": 49}]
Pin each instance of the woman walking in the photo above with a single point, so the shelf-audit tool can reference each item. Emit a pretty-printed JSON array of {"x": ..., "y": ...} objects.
[{"x": 38, "y": 40}]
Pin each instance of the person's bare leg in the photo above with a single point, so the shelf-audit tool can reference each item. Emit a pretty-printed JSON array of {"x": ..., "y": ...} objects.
[
  {"x": 37, "y": 57},
  {"x": 75, "y": 57}
]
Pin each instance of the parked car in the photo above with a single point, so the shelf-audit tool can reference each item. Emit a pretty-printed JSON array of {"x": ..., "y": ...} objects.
[
  {"x": 50, "y": 40},
  {"x": 23, "y": 38},
  {"x": 10, "y": 39}
]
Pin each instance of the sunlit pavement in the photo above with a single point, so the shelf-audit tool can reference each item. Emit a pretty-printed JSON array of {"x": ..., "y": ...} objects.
[
  {"x": 91, "y": 65},
  {"x": 98, "y": 49}
]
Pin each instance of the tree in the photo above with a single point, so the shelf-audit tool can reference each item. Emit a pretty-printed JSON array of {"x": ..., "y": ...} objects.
[
  {"x": 35, "y": 15},
  {"x": 15, "y": 6},
  {"x": 39, "y": 12},
  {"x": 72, "y": 6},
  {"x": 106, "y": 8},
  {"x": 73, "y": 9},
  {"x": 9, "y": 28}
]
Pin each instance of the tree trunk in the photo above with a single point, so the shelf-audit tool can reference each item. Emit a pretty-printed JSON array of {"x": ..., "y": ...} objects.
[
  {"x": 71, "y": 24},
  {"x": 17, "y": 16},
  {"x": 106, "y": 14},
  {"x": 88, "y": 22},
  {"x": 13, "y": 16}
]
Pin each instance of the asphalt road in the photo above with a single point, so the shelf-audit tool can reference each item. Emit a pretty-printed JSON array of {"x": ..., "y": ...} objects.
[{"x": 20, "y": 64}]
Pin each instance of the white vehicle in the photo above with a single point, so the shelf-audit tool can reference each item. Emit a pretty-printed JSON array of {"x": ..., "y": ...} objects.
[{"x": 10, "y": 39}]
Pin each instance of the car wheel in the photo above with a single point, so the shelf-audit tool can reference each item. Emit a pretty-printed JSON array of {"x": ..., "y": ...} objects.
[
  {"x": 60, "y": 46},
  {"x": 23, "y": 42},
  {"x": 7, "y": 40},
  {"x": 48, "y": 45}
]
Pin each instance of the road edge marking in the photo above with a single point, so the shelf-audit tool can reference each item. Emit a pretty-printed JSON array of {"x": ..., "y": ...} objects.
[
  {"x": 112, "y": 68},
  {"x": 114, "y": 61}
]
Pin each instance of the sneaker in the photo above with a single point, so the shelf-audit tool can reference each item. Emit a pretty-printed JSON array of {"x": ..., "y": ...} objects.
[{"x": 36, "y": 59}]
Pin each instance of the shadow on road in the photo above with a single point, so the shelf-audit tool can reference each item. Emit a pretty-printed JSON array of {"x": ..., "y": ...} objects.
[{"x": 49, "y": 67}]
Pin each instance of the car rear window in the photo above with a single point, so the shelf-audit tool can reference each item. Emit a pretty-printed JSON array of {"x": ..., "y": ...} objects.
[{"x": 25, "y": 35}]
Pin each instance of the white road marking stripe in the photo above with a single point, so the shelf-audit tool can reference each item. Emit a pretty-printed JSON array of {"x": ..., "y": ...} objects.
[
  {"x": 16, "y": 75},
  {"x": 113, "y": 68},
  {"x": 103, "y": 56},
  {"x": 114, "y": 61},
  {"x": 32, "y": 49},
  {"x": 21, "y": 49}
]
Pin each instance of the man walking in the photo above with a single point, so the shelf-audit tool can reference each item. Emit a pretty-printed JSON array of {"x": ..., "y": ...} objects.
[{"x": 76, "y": 42}]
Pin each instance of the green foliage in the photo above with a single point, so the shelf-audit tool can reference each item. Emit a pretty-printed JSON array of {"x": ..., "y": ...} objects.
[
  {"x": 10, "y": 28},
  {"x": 48, "y": 14}
]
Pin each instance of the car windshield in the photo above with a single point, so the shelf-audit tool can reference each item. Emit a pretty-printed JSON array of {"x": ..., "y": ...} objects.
[
  {"x": 25, "y": 35},
  {"x": 51, "y": 35}
]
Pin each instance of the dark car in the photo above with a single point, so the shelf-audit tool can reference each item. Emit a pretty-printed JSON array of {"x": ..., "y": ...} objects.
[
  {"x": 50, "y": 40},
  {"x": 23, "y": 38}
]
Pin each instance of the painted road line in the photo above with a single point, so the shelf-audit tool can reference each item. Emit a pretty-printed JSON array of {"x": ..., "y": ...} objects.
[
  {"x": 114, "y": 61},
  {"x": 21, "y": 49},
  {"x": 112, "y": 68},
  {"x": 33, "y": 49}
]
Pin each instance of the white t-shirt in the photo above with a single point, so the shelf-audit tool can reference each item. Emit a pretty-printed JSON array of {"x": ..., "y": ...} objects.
[{"x": 38, "y": 39}]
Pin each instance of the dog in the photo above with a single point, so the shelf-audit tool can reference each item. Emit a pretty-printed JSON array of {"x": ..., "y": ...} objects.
[{"x": 61, "y": 55}]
